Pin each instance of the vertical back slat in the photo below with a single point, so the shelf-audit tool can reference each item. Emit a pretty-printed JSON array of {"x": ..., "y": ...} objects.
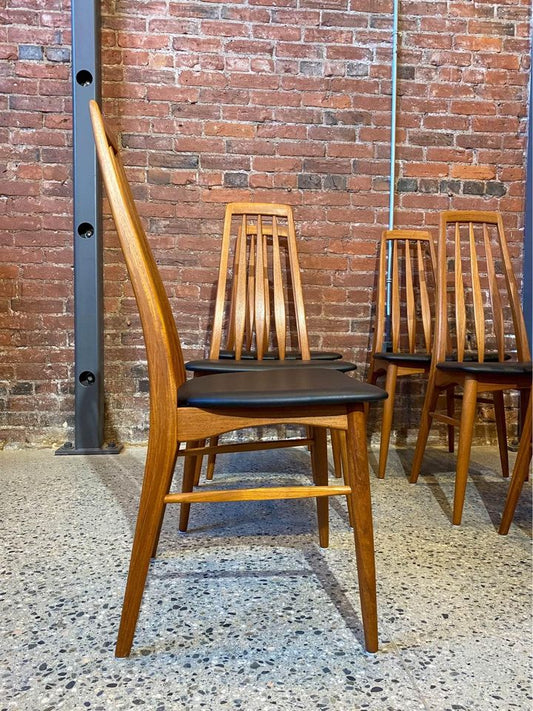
[
  {"x": 522, "y": 345},
  {"x": 280, "y": 318},
  {"x": 410, "y": 299},
  {"x": 230, "y": 338},
  {"x": 425, "y": 306},
  {"x": 250, "y": 292},
  {"x": 379, "y": 334},
  {"x": 395, "y": 299},
  {"x": 240, "y": 304},
  {"x": 260, "y": 324},
  {"x": 299, "y": 308},
  {"x": 495, "y": 297},
  {"x": 266, "y": 289},
  {"x": 220, "y": 298},
  {"x": 477, "y": 297},
  {"x": 460, "y": 313}
]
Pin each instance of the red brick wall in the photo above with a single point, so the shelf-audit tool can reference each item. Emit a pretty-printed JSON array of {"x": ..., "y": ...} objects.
[{"x": 268, "y": 100}]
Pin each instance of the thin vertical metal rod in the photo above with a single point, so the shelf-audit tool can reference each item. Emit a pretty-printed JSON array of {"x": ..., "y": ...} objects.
[
  {"x": 392, "y": 169},
  {"x": 87, "y": 237},
  {"x": 527, "y": 291}
]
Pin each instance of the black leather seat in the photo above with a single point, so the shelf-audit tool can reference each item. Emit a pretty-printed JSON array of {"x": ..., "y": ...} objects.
[
  {"x": 413, "y": 358},
  {"x": 398, "y": 357},
  {"x": 223, "y": 365},
  {"x": 274, "y": 355},
  {"x": 507, "y": 369},
  {"x": 280, "y": 387}
]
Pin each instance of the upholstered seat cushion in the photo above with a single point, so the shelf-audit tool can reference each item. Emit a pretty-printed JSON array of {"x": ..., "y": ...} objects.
[
  {"x": 425, "y": 358},
  {"x": 508, "y": 368},
  {"x": 280, "y": 387},
  {"x": 274, "y": 355},
  {"x": 410, "y": 358},
  {"x": 223, "y": 365}
]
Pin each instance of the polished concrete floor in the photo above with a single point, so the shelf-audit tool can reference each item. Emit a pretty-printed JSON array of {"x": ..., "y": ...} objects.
[{"x": 246, "y": 611}]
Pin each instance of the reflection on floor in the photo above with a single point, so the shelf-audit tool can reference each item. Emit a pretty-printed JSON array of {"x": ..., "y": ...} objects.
[{"x": 246, "y": 611}]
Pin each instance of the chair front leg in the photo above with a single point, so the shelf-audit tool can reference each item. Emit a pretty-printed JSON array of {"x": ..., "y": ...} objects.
[
  {"x": 501, "y": 429},
  {"x": 158, "y": 471},
  {"x": 520, "y": 473},
  {"x": 336, "y": 445},
  {"x": 359, "y": 482},
  {"x": 198, "y": 461},
  {"x": 450, "y": 411},
  {"x": 188, "y": 483},
  {"x": 466, "y": 429},
  {"x": 344, "y": 457},
  {"x": 386, "y": 420},
  {"x": 426, "y": 418},
  {"x": 211, "y": 459},
  {"x": 319, "y": 461}
]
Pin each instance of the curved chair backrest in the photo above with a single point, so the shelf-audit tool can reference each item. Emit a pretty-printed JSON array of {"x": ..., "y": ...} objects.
[
  {"x": 412, "y": 291},
  {"x": 265, "y": 285},
  {"x": 165, "y": 359},
  {"x": 479, "y": 312}
]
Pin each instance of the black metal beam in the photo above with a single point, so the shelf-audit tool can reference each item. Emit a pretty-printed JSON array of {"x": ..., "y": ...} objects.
[{"x": 87, "y": 238}]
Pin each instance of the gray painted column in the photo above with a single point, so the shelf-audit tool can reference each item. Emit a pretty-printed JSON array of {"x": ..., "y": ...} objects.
[{"x": 87, "y": 237}]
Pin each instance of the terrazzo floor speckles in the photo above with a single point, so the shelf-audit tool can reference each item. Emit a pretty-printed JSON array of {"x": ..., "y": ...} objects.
[{"x": 246, "y": 611}]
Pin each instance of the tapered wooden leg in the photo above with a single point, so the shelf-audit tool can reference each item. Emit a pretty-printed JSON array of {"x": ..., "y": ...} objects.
[
  {"x": 426, "y": 419},
  {"x": 189, "y": 476},
  {"x": 198, "y": 463},
  {"x": 319, "y": 460},
  {"x": 211, "y": 459},
  {"x": 344, "y": 457},
  {"x": 372, "y": 379},
  {"x": 386, "y": 419},
  {"x": 450, "y": 411},
  {"x": 501, "y": 428},
  {"x": 362, "y": 524},
  {"x": 159, "y": 467},
  {"x": 336, "y": 450},
  {"x": 524, "y": 398},
  {"x": 520, "y": 473},
  {"x": 156, "y": 542},
  {"x": 466, "y": 429}
]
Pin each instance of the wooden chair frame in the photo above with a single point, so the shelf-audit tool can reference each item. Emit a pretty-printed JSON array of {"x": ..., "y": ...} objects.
[
  {"x": 174, "y": 419},
  {"x": 257, "y": 298},
  {"x": 412, "y": 319},
  {"x": 455, "y": 362}
]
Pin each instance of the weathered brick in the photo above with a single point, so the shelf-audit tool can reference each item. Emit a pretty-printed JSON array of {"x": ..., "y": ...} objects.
[
  {"x": 235, "y": 101},
  {"x": 30, "y": 51},
  {"x": 473, "y": 187}
]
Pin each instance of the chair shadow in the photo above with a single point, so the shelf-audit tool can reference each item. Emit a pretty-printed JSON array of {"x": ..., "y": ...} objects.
[
  {"x": 490, "y": 486},
  {"x": 242, "y": 525}
]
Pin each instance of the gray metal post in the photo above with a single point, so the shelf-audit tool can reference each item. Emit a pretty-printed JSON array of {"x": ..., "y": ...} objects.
[
  {"x": 392, "y": 172},
  {"x": 87, "y": 236}
]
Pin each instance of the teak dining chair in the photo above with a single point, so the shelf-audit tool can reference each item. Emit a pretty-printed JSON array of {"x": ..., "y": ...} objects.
[
  {"x": 259, "y": 320},
  {"x": 479, "y": 321},
  {"x": 520, "y": 473},
  {"x": 193, "y": 410},
  {"x": 404, "y": 348}
]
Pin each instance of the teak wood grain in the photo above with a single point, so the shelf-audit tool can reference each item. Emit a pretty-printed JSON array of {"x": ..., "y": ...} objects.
[{"x": 172, "y": 424}]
